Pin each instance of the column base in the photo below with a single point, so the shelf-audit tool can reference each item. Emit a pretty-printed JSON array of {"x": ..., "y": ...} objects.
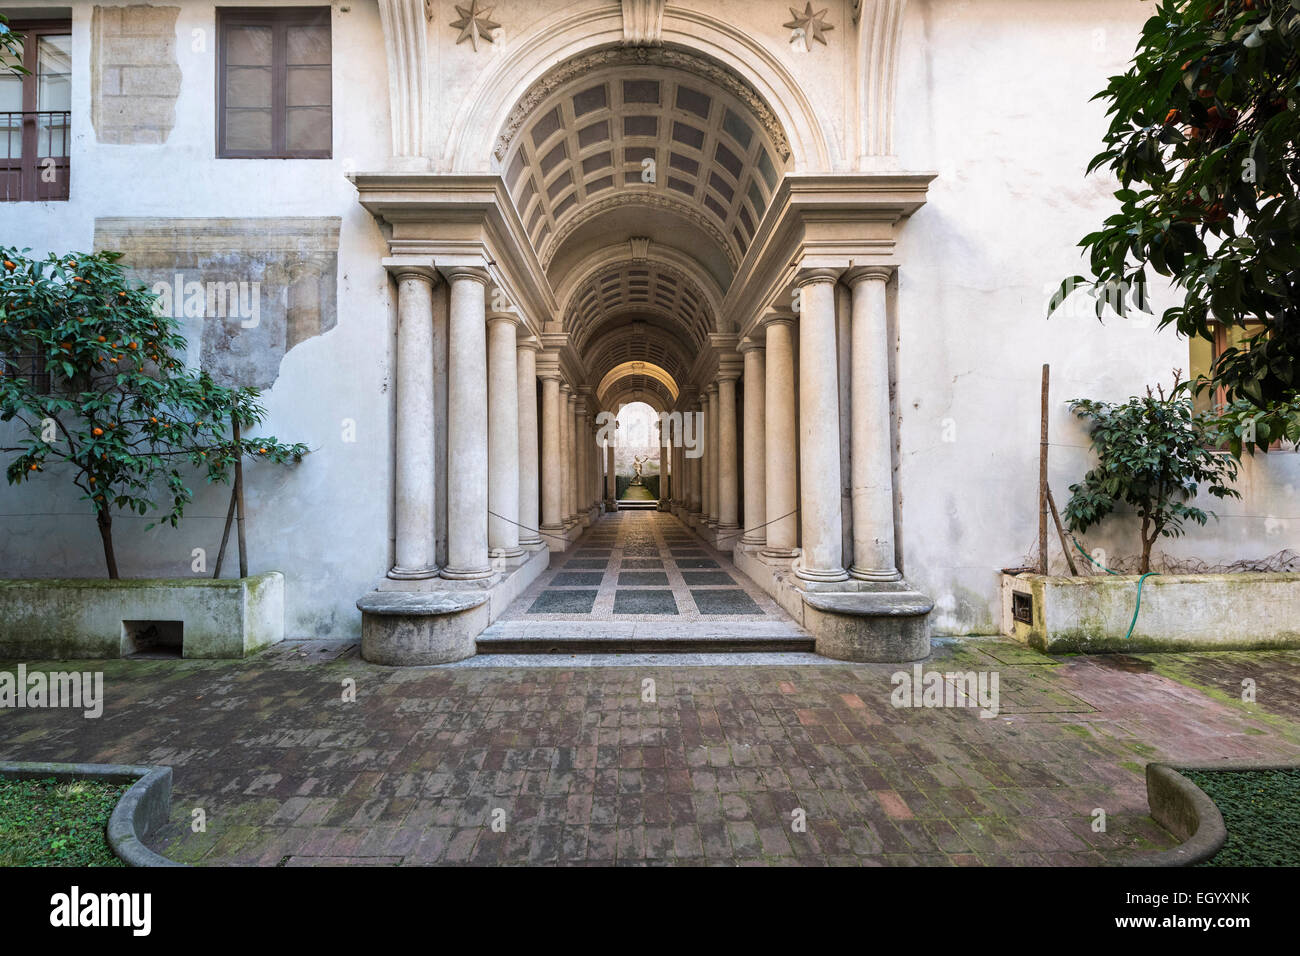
[
  {"x": 413, "y": 574},
  {"x": 506, "y": 553},
  {"x": 753, "y": 540},
  {"x": 875, "y": 574},
  {"x": 780, "y": 554},
  {"x": 821, "y": 575},
  {"x": 467, "y": 574}
]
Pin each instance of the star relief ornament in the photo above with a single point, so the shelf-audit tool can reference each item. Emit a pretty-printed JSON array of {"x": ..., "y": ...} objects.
[
  {"x": 475, "y": 22},
  {"x": 811, "y": 26}
]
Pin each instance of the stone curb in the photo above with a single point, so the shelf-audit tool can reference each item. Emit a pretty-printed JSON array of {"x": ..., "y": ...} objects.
[
  {"x": 1186, "y": 811},
  {"x": 144, "y": 807}
]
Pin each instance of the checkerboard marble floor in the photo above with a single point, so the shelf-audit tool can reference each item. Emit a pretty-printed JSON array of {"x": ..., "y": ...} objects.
[{"x": 646, "y": 566}]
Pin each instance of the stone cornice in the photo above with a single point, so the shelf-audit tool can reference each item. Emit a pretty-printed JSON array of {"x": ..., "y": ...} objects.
[
  {"x": 830, "y": 221},
  {"x": 461, "y": 220}
]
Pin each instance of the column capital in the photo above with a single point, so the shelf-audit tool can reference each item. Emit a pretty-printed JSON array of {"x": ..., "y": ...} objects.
[
  {"x": 815, "y": 274},
  {"x": 712, "y": 390},
  {"x": 856, "y": 274},
  {"x": 528, "y": 343},
  {"x": 730, "y": 369},
  {"x": 508, "y": 317},
  {"x": 748, "y": 344},
  {"x": 415, "y": 267},
  {"x": 472, "y": 273},
  {"x": 778, "y": 318}
]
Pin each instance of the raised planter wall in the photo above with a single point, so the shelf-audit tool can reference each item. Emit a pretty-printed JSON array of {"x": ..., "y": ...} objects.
[
  {"x": 62, "y": 619},
  {"x": 1179, "y": 612}
]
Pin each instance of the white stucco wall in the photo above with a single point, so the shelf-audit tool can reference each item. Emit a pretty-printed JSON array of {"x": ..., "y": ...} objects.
[
  {"x": 998, "y": 105},
  {"x": 993, "y": 95}
]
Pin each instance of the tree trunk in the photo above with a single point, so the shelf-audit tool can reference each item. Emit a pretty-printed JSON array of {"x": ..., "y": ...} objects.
[
  {"x": 1146, "y": 546},
  {"x": 105, "y": 522}
]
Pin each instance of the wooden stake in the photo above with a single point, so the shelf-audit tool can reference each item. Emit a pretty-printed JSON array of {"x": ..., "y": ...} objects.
[
  {"x": 1042, "y": 478},
  {"x": 1065, "y": 545},
  {"x": 239, "y": 498},
  {"x": 225, "y": 535}
]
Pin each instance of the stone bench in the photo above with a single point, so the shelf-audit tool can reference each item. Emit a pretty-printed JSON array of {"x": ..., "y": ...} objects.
[
  {"x": 404, "y": 628},
  {"x": 871, "y": 626}
]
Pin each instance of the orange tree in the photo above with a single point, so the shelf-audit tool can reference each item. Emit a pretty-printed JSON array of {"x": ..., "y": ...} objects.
[
  {"x": 1203, "y": 139},
  {"x": 89, "y": 373}
]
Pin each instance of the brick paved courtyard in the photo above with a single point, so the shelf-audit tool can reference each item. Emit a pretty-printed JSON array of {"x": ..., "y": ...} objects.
[{"x": 580, "y": 768}]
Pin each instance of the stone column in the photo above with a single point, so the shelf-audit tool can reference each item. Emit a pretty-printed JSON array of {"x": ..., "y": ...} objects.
[
  {"x": 713, "y": 457},
  {"x": 819, "y": 431},
  {"x": 697, "y": 463},
  {"x": 579, "y": 447},
  {"x": 529, "y": 515},
  {"x": 552, "y": 456},
  {"x": 467, "y": 432},
  {"x": 566, "y": 454},
  {"x": 503, "y": 437},
  {"x": 755, "y": 440},
  {"x": 706, "y": 436},
  {"x": 610, "y": 490},
  {"x": 779, "y": 444},
  {"x": 414, "y": 499},
  {"x": 873, "y": 476},
  {"x": 728, "y": 479}
]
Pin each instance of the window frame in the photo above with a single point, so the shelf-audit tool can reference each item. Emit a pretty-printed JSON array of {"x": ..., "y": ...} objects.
[
  {"x": 278, "y": 18},
  {"x": 28, "y": 165},
  {"x": 1219, "y": 343}
]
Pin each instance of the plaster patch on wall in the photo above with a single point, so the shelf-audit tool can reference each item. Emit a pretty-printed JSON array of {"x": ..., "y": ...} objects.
[
  {"x": 246, "y": 291},
  {"x": 135, "y": 76}
]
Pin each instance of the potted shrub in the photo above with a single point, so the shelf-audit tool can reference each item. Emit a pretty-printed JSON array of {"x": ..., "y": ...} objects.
[{"x": 1155, "y": 454}]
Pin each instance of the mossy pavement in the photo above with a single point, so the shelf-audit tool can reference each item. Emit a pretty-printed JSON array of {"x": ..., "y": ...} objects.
[{"x": 576, "y": 765}]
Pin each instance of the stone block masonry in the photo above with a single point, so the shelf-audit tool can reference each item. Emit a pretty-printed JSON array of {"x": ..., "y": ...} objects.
[{"x": 135, "y": 75}]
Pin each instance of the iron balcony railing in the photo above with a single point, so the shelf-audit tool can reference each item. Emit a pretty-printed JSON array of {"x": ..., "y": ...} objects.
[{"x": 34, "y": 162}]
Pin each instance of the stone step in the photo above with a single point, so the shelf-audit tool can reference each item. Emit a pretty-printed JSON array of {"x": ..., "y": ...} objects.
[{"x": 643, "y": 637}]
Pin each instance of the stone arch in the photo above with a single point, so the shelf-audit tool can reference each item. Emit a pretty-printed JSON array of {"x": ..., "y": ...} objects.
[{"x": 486, "y": 111}]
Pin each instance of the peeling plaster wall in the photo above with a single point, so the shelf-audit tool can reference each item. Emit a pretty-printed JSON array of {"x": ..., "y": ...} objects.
[{"x": 246, "y": 291}]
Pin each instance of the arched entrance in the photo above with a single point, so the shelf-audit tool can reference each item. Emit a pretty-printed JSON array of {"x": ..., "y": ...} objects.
[{"x": 645, "y": 232}]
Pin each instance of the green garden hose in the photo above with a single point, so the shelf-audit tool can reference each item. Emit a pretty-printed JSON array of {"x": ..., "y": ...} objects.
[{"x": 1138, "y": 606}]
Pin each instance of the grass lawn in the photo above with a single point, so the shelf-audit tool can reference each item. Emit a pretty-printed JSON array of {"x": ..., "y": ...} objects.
[
  {"x": 1261, "y": 809},
  {"x": 57, "y": 823}
]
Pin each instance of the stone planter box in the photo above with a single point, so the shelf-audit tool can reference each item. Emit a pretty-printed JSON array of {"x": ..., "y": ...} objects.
[
  {"x": 92, "y": 618},
  {"x": 1179, "y": 612}
]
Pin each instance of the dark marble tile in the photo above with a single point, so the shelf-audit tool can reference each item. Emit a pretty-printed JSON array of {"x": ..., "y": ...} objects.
[
  {"x": 707, "y": 578},
  {"x": 644, "y": 602},
  {"x": 576, "y": 579},
  {"x": 733, "y": 601},
  {"x": 643, "y": 579},
  {"x": 564, "y": 602}
]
